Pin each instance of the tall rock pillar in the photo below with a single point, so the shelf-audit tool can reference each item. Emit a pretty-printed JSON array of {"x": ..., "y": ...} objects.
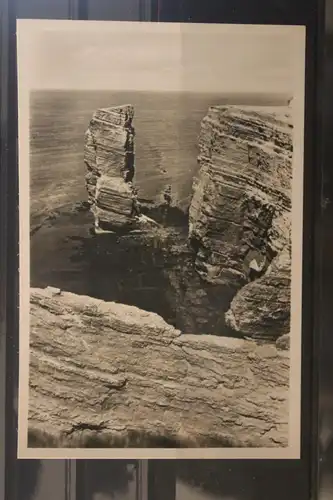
[{"x": 109, "y": 158}]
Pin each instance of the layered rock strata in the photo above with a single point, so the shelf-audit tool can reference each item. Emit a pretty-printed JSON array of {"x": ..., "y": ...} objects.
[
  {"x": 106, "y": 374},
  {"x": 261, "y": 309},
  {"x": 109, "y": 157},
  {"x": 239, "y": 218}
]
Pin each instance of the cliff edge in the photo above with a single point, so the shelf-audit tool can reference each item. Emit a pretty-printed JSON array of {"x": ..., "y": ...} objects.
[
  {"x": 137, "y": 381},
  {"x": 240, "y": 215}
]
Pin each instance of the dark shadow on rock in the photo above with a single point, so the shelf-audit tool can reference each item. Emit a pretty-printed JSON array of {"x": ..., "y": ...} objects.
[
  {"x": 325, "y": 478},
  {"x": 152, "y": 270},
  {"x": 169, "y": 216}
]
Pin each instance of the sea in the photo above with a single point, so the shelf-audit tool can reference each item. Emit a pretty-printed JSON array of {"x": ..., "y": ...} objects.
[{"x": 167, "y": 126}]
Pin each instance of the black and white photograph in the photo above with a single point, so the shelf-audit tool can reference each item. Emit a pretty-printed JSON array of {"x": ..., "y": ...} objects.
[{"x": 161, "y": 213}]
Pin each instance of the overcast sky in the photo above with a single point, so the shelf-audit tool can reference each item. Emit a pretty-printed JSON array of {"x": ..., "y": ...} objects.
[{"x": 152, "y": 56}]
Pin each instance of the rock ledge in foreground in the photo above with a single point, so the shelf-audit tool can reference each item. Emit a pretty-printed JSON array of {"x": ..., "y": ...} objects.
[{"x": 104, "y": 374}]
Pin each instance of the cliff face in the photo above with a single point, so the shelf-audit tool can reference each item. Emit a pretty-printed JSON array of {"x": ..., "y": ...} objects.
[
  {"x": 109, "y": 158},
  {"x": 236, "y": 278},
  {"x": 239, "y": 220},
  {"x": 137, "y": 381}
]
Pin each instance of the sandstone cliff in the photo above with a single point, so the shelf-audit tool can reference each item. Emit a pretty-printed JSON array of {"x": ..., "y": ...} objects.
[
  {"x": 134, "y": 380},
  {"x": 236, "y": 278},
  {"x": 109, "y": 158},
  {"x": 239, "y": 219}
]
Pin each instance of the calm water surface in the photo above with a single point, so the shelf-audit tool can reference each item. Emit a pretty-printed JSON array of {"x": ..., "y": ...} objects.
[{"x": 167, "y": 126}]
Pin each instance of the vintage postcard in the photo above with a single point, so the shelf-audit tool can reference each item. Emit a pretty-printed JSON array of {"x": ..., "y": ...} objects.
[{"x": 161, "y": 212}]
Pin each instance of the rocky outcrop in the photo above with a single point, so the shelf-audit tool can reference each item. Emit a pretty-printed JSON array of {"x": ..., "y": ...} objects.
[
  {"x": 109, "y": 158},
  {"x": 239, "y": 218},
  {"x": 236, "y": 278},
  {"x": 106, "y": 374},
  {"x": 261, "y": 309}
]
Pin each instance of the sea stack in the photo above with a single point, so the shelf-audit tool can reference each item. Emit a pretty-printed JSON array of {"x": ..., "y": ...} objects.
[
  {"x": 240, "y": 214},
  {"x": 109, "y": 157}
]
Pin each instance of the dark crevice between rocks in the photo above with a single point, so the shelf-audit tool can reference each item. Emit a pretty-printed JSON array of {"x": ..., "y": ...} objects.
[
  {"x": 160, "y": 269},
  {"x": 255, "y": 252},
  {"x": 152, "y": 270},
  {"x": 255, "y": 248},
  {"x": 157, "y": 275},
  {"x": 156, "y": 270}
]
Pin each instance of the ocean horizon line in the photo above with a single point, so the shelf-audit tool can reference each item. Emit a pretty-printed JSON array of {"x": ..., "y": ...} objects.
[{"x": 282, "y": 95}]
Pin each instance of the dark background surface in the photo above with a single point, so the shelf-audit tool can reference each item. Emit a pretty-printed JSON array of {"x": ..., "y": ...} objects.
[{"x": 43, "y": 480}]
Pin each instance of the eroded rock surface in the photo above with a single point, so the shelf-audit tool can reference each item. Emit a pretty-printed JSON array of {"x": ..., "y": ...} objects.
[
  {"x": 239, "y": 219},
  {"x": 109, "y": 158},
  {"x": 106, "y": 374},
  {"x": 235, "y": 278},
  {"x": 261, "y": 309}
]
